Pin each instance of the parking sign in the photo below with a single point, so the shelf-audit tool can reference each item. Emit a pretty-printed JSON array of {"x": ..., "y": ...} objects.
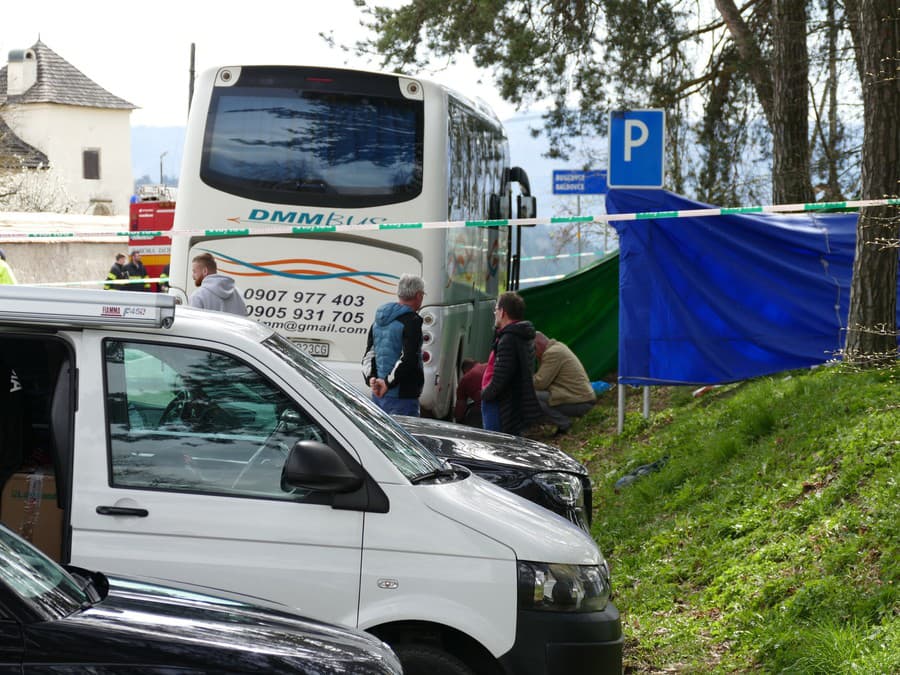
[{"x": 636, "y": 148}]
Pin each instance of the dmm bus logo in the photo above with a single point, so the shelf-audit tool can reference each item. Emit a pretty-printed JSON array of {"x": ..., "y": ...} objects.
[{"x": 315, "y": 219}]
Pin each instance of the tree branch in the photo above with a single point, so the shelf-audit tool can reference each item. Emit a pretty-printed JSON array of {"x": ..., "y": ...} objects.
[{"x": 756, "y": 64}]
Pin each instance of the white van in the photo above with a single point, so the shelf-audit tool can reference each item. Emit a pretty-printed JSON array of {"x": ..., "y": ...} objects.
[{"x": 201, "y": 447}]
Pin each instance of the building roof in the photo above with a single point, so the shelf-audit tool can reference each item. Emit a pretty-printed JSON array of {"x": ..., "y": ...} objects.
[
  {"x": 58, "y": 81},
  {"x": 13, "y": 146}
]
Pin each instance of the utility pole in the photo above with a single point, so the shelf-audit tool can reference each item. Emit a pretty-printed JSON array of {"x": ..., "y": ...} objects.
[
  {"x": 161, "y": 181},
  {"x": 191, "y": 77}
]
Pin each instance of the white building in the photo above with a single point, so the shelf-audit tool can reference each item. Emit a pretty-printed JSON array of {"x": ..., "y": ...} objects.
[{"x": 52, "y": 115}]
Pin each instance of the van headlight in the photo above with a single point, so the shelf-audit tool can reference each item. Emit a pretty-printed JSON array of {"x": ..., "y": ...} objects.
[
  {"x": 564, "y": 488},
  {"x": 563, "y": 588}
]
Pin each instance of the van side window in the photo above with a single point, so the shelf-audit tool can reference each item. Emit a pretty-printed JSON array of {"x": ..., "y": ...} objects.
[{"x": 192, "y": 420}]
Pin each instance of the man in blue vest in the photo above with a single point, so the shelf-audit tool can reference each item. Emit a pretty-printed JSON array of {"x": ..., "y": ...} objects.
[{"x": 392, "y": 364}]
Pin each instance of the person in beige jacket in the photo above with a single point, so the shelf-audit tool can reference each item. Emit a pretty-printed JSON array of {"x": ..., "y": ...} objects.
[{"x": 563, "y": 388}]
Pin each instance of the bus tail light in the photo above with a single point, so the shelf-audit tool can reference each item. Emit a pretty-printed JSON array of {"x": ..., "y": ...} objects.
[{"x": 426, "y": 356}]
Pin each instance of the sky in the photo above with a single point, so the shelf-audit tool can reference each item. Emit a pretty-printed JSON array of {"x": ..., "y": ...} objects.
[{"x": 141, "y": 51}]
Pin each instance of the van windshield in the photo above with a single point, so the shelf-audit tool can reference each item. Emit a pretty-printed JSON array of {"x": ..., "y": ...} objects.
[{"x": 406, "y": 453}]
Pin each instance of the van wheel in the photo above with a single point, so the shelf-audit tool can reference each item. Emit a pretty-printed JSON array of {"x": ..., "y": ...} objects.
[{"x": 426, "y": 660}]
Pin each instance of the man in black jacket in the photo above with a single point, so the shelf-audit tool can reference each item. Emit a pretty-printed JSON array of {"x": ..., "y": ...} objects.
[
  {"x": 136, "y": 270},
  {"x": 511, "y": 384},
  {"x": 117, "y": 273}
]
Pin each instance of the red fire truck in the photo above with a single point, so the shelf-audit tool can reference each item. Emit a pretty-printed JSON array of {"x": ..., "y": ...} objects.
[{"x": 152, "y": 211}]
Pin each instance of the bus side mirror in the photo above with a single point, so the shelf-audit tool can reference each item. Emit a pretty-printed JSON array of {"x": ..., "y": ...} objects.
[
  {"x": 526, "y": 207},
  {"x": 494, "y": 207},
  {"x": 499, "y": 206}
]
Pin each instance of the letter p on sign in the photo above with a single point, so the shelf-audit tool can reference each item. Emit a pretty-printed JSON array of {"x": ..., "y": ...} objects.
[
  {"x": 632, "y": 140},
  {"x": 636, "y": 148}
]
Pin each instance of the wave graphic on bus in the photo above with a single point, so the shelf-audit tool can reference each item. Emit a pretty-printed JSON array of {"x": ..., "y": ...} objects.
[{"x": 386, "y": 283}]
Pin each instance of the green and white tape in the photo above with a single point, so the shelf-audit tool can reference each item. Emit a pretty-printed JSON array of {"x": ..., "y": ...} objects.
[{"x": 248, "y": 227}]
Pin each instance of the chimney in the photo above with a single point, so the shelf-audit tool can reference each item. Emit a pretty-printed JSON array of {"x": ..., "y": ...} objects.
[{"x": 21, "y": 72}]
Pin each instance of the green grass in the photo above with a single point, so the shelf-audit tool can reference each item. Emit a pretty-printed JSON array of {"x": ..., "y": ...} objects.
[{"x": 769, "y": 540}]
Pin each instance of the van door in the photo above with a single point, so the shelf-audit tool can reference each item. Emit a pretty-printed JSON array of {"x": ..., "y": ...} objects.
[{"x": 185, "y": 481}]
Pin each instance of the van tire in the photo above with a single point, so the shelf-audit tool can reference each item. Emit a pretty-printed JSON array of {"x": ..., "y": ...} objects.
[{"x": 428, "y": 660}]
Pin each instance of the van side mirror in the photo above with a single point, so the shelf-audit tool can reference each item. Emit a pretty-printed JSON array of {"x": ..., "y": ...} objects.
[{"x": 316, "y": 466}]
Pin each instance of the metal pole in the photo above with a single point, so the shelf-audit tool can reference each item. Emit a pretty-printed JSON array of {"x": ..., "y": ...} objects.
[
  {"x": 620, "y": 424},
  {"x": 646, "y": 403},
  {"x": 191, "y": 77},
  {"x": 578, "y": 207},
  {"x": 161, "y": 181}
]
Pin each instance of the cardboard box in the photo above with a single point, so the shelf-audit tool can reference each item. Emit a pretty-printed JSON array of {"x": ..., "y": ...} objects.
[{"x": 28, "y": 508}]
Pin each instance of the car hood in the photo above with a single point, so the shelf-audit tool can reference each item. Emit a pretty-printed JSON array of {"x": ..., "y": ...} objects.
[
  {"x": 457, "y": 442},
  {"x": 236, "y": 635},
  {"x": 530, "y": 531}
]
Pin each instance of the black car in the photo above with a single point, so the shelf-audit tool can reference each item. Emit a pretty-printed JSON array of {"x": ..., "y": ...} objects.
[
  {"x": 539, "y": 472},
  {"x": 70, "y": 620}
]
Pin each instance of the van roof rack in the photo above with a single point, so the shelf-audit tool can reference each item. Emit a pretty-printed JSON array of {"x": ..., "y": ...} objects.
[{"x": 85, "y": 307}]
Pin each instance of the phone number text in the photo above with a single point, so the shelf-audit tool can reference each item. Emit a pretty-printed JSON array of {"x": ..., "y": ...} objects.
[{"x": 317, "y": 306}]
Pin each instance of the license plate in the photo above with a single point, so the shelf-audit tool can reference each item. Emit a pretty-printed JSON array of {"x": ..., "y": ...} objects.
[{"x": 319, "y": 349}]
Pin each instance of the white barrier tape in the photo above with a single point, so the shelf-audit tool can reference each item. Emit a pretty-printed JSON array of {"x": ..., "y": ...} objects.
[
  {"x": 106, "y": 282},
  {"x": 552, "y": 277},
  {"x": 563, "y": 256},
  {"x": 254, "y": 227}
]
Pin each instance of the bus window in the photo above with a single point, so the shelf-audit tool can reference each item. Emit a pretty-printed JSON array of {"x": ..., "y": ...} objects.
[{"x": 299, "y": 142}]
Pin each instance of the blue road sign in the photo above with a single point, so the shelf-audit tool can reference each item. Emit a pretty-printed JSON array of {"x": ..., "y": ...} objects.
[
  {"x": 636, "y": 144},
  {"x": 579, "y": 182}
]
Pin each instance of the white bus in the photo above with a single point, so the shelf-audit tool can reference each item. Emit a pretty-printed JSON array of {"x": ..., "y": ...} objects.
[{"x": 321, "y": 151}]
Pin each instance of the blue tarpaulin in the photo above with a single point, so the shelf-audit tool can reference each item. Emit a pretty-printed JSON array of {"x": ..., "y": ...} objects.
[{"x": 723, "y": 298}]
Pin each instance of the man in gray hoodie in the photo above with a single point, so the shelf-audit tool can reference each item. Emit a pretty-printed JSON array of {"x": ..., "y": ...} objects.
[{"x": 215, "y": 291}]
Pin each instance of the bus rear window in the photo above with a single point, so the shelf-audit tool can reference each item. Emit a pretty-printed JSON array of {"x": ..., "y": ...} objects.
[{"x": 295, "y": 145}]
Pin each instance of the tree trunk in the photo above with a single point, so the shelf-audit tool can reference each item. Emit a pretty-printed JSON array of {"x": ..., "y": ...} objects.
[
  {"x": 790, "y": 104},
  {"x": 851, "y": 11},
  {"x": 782, "y": 87},
  {"x": 872, "y": 325},
  {"x": 833, "y": 192}
]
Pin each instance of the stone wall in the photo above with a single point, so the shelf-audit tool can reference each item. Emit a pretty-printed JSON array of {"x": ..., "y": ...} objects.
[
  {"x": 42, "y": 262},
  {"x": 62, "y": 247}
]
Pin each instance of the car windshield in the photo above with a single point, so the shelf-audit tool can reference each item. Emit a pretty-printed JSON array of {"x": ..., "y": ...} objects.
[
  {"x": 403, "y": 450},
  {"x": 42, "y": 584}
]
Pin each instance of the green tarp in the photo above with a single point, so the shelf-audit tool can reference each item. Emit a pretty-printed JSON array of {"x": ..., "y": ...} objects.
[{"x": 581, "y": 310}]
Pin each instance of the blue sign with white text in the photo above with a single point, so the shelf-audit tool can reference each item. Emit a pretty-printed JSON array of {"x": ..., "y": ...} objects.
[
  {"x": 579, "y": 182},
  {"x": 636, "y": 148}
]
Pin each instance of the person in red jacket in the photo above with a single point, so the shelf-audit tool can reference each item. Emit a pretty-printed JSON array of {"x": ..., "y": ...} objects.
[{"x": 468, "y": 393}]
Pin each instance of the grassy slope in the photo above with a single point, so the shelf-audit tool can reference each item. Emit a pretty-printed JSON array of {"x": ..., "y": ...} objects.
[{"x": 769, "y": 540}]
